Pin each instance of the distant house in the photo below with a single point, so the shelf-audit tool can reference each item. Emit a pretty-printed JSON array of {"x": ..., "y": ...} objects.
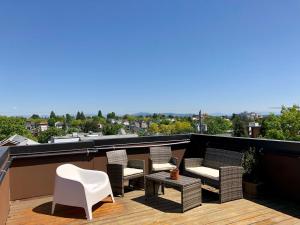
[
  {"x": 113, "y": 121},
  {"x": 42, "y": 126},
  {"x": 36, "y": 127},
  {"x": 122, "y": 131},
  {"x": 254, "y": 129},
  {"x": 59, "y": 125},
  {"x": 143, "y": 125},
  {"x": 18, "y": 140},
  {"x": 136, "y": 124},
  {"x": 126, "y": 123},
  {"x": 30, "y": 125}
]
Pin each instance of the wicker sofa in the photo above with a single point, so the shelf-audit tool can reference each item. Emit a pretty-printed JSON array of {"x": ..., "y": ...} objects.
[
  {"x": 221, "y": 169},
  {"x": 161, "y": 159},
  {"x": 121, "y": 170}
]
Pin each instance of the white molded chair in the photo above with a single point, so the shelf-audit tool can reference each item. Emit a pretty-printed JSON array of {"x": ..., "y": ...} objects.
[{"x": 81, "y": 188}]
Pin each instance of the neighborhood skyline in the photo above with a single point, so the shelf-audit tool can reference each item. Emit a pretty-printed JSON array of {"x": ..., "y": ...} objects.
[{"x": 180, "y": 114}]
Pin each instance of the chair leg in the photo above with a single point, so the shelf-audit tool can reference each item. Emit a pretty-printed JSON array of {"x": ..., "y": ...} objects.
[
  {"x": 88, "y": 212},
  {"x": 53, "y": 207},
  {"x": 112, "y": 197}
]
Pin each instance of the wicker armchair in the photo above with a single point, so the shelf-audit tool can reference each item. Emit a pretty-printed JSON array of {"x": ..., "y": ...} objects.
[
  {"x": 121, "y": 170},
  {"x": 161, "y": 159},
  {"x": 220, "y": 169}
]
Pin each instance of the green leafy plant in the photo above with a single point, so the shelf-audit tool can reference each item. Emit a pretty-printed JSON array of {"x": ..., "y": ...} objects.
[{"x": 252, "y": 164}]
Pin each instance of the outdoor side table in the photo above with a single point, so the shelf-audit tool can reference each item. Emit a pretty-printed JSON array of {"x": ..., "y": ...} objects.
[{"x": 190, "y": 188}]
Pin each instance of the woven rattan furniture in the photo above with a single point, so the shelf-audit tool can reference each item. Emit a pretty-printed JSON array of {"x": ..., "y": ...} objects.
[
  {"x": 190, "y": 188},
  {"x": 121, "y": 170},
  {"x": 161, "y": 159},
  {"x": 220, "y": 169}
]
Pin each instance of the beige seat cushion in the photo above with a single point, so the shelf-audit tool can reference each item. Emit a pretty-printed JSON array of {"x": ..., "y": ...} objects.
[
  {"x": 131, "y": 171},
  {"x": 162, "y": 166},
  {"x": 205, "y": 172}
]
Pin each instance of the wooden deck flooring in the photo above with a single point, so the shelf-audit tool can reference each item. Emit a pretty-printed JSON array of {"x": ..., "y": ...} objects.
[{"x": 132, "y": 209}]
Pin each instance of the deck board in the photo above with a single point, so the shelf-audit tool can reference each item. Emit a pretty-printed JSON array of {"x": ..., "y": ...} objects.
[{"x": 132, "y": 209}]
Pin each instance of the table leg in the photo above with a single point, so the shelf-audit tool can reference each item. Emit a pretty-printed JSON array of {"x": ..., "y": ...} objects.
[{"x": 191, "y": 196}]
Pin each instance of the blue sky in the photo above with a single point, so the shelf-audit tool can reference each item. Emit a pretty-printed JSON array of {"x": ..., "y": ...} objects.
[{"x": 148, "y": 56}]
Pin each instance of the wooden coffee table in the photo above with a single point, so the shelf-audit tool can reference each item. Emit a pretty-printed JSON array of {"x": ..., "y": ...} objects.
[{"x": 190, "y": 188}]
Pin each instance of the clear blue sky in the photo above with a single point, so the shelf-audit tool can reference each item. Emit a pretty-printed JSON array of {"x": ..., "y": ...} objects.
[{"x": 148, "y": 56}]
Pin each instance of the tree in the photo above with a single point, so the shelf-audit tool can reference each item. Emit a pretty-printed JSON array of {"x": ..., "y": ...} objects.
[
  {"x": 100, "y": 114},
  {"x": 76, "y": 123},
  {"x": 69, "y": 119},
  {"x": 111, "y": 129},
  {"x": 90, "y": 125},
  {"x": 239, "y": 127},
  {"x": 154, "y": 128},
  {"x": 182, "y": 127},
  {"x": 217, "y": 125},
  {"x": 111, "y": 115},
  {"x": 13, "y": 125},
  {"x": 35, "y": 116},
  {"x": 51, "y": 122},
  {"x": 80, "y": 116},
  {"x": 45, "y": 136},
  {"x": 52, "y": 115},
  {"x": 285, "y": 126},
  {"x": 165, "y": 129}
]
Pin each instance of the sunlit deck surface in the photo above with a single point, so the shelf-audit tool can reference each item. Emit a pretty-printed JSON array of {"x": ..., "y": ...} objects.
[{"x": 132, "y": 209}]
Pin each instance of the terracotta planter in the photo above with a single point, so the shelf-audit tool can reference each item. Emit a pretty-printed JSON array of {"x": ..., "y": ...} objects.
[
  {"x": 174, "y": 174},
  {"x": 252, "y": 189}
]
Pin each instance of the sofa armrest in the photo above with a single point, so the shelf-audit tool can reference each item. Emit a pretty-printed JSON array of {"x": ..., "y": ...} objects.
[
  {"x": 192, "y": 162},
  {"x": 174, "y": 161},
  {"x": 231, "y": 183},
  {"x": 231, "y": 175},
  {"x": 138, "y": 164}
]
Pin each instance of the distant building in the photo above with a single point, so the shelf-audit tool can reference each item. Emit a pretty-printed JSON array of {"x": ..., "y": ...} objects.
[
  {"x": 143, "y": 125},
  {"x": 64, "y": 139},
  {"x": 42, "y": 126},
  {"x": 36, "y": 127},
  {"x": 122, "y": 131},
  {"x": 76, "y": 137},
  {"x": 59, "y": 125},
  {"x": 136, "y": 124},
  {"x": 17, "y": 140},
  {"x": 30, "y": 125},
  {"x": 126, "y": 123},
  {"x": 254, "y": 129}
]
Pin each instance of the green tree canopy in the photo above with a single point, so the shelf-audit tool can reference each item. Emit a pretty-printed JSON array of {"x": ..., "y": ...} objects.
[
  {"x": 13, "y": 125},
  {"x": 80, "y": 116},
  {"x": 69, "y": 119},
  {"x": 45, "y": 136},
  {"x": 90, "y": 125},
  {"x": 111, "y": 115},
  {"x": 111, "y": 129},
  {"x": 52, "y": 115},
  {"x": 100, "y": 114},
  {"x": 239, "y": 127},
  {"x": 217, "y": 125},
  {"x": 285, "y": 126},
  {"x": 35, "y": 116},
  {"x": 51, "y": 122}
]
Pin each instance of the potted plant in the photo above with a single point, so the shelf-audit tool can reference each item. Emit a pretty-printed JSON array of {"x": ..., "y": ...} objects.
[
  {"x": 174, "y": 174},
  {"x": 252, "y": 182}
]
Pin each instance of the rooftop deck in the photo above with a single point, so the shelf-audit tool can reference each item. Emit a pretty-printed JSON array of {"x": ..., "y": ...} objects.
[
  {"x": 27, "y": 177},
  {"x": 132, "y": 209}
]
